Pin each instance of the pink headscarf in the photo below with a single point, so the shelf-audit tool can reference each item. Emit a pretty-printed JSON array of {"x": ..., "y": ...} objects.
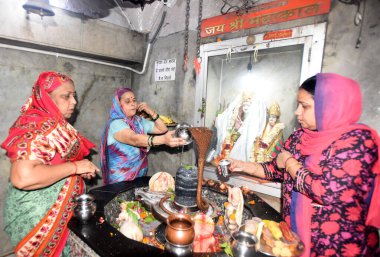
[
  {"x": 121, "y": 91},
  {"x": 338, "y": 106}
]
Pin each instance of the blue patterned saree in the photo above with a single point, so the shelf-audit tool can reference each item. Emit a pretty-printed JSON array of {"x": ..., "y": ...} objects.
[{"x": 119, "y": 161}]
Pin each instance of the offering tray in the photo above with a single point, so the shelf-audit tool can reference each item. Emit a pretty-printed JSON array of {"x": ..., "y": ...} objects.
[
  {"x": 108, "y": 209},
  {"x": 282, "y": 246},
  {"x": 267, "y": 250}
]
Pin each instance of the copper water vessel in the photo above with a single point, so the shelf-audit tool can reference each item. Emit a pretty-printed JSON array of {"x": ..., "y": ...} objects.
[{"x": 180, "y": 229}]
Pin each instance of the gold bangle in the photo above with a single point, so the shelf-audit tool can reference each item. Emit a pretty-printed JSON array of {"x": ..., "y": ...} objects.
[
  {"x": 287, "y": 168},
  {"x": 287, "y": 159}
]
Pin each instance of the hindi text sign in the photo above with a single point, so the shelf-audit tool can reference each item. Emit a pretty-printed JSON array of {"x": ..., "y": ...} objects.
[
  {"x": 264, "y": 14},
  {"x": 164, "y": 70}
]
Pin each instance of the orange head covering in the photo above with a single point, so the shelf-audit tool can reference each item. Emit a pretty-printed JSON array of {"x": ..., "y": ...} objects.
[
  {"x": 40, "y": 116},
  {"x": 50, "y": 80}
]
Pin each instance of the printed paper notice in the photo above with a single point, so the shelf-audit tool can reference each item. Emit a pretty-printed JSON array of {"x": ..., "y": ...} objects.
[{"x": 164, "y": 70}]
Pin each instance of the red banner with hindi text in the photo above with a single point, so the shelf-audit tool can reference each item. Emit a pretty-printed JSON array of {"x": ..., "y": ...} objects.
[{"x": 264, "y": 14}]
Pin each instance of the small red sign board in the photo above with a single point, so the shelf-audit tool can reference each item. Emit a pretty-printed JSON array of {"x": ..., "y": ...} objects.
[
  {"x": 264, "y": 14},
  {"x": 278, "y": 34}
]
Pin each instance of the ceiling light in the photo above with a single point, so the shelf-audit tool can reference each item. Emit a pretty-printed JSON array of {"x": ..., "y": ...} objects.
[{"x": 40, "y": 7}]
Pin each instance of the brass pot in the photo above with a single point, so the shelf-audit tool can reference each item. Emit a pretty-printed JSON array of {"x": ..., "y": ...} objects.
[{"x": 179, "y": 229}]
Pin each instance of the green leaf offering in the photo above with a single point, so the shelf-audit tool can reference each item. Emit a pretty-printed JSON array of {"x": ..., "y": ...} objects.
[
  {"x": 226, "y": 246},
  {"x": 188, "y": 167},
  {"x": 149, "y": 219}
]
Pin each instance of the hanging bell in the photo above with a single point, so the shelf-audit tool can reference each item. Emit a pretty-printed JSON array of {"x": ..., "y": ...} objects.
[{"x": 40, "y": 7}]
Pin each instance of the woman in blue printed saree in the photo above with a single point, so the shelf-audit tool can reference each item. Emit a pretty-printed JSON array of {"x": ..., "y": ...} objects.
[
  {"x": 47, "y": 156},
  {"x": 127, "y": 138}
]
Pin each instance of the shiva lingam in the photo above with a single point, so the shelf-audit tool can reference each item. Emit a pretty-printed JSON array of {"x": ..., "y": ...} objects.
[
  {"x": 188, "y": 186},
  {"x": 189, "y": 221}
]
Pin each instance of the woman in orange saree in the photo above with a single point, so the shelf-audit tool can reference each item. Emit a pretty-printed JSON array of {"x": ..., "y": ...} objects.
[{"x": 47, "y": 157}]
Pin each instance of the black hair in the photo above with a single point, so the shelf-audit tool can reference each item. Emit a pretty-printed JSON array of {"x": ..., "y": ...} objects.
[{"x": 309, "y": 85}]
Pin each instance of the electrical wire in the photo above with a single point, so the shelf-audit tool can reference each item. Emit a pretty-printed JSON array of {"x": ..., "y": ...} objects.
[
  {"x": 246, "y": 5},
  {"x": 153, "y": 40},
  {"x": 359, "y": 40},
  {"x": 229, "y": 9},
  {"x": 125, "y": 16}
]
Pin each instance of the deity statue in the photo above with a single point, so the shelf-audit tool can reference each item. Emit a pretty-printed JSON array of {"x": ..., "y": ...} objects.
[
  {"x": 238, "y": 126},
  {"x": 269, "y": 144}
]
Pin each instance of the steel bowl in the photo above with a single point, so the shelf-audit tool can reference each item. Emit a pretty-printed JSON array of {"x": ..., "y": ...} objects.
[
  {"x": 83, "y": 198},
  {"x": 85, "y": 207},
  {"x": 243, "y": 244},
  {"x": 179, "y": 250},
  {"x": 182, "y": 131},
  {"x": 83, "y": 214}
]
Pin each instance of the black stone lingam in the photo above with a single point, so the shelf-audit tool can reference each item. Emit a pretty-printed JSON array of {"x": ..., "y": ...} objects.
[{"x": 186, "y": 186}]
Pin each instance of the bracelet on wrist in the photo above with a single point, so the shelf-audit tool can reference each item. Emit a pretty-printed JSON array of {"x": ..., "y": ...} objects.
[
  {"x": 76, "y": 168},
  {"x": 157, "y": 116},
  {"x": 287, "y": 159},
  {"x": 290, "y": 166},
  {"x": 151, "y": 142}
]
